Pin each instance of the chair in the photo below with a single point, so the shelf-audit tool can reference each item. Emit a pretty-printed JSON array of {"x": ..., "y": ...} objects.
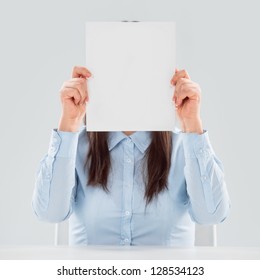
[
  {"x": 61, "y": 233},
  {"x": 204, "y": 235}
]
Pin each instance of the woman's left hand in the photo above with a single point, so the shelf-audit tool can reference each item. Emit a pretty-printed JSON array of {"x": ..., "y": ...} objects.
[{"x": 187, "y": 96}]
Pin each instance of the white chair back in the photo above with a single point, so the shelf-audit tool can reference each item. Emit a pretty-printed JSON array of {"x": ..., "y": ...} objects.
[
  {"x": 206, "y": 235},
  {"x": 61, "y": 233}
]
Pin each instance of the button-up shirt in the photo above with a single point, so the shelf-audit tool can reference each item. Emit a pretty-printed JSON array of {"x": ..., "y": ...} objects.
[{"x": 196, "y": 191}]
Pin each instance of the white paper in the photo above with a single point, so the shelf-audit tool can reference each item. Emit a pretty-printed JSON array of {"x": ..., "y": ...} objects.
[{"x": 132, "y": 64}]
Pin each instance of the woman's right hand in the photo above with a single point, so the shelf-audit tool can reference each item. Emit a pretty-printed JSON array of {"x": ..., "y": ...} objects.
[{"x": 74, "y": 95}]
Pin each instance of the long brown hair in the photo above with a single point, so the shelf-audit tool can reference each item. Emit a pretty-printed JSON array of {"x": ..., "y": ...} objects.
[{"x": 157, "y": 160}]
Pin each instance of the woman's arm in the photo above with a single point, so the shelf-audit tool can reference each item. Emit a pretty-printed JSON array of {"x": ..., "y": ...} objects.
[
  {"x": 206, "y": 187},
  {"x": 56, "y": 179},
  {"x": 56, "y": 183},
  {"x": 204, "y": 174}
]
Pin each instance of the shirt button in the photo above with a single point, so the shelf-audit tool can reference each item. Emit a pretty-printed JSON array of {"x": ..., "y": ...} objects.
[
  {"x": 48, "y": 176},
  {"x": 204, "y": 178},
  {"x": 201, "y": 151},
  {"x": 129, "y": 140},
  {"x": 128, "y": 160},
  {"x": 126, "y": 240},
  {"x": 127, "y": 213}
]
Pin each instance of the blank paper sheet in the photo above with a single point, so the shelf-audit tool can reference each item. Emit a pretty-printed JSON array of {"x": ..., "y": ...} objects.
[{"x": 132, "y": 64}]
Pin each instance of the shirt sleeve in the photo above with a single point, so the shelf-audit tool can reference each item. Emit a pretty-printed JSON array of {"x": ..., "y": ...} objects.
[
  {"x": 206, "y": 186},
  {"x": 56, "y": 179}
]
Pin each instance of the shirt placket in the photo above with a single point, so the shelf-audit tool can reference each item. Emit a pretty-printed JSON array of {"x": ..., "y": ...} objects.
[{"x": 128, "y": 175}]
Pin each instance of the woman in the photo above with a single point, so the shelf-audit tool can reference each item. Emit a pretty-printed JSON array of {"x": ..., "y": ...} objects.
[{"x": 130, "y": 188}]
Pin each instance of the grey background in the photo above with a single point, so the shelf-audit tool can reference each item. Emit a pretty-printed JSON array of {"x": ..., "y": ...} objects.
[{"x": 217, "y": 42}]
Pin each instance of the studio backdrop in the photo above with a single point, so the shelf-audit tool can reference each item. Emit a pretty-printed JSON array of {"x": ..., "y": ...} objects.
[{"x": 217, "y": 42}]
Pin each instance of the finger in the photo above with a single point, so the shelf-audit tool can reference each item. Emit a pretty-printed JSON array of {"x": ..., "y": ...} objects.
[
  {"x": 78, "y": 80},
  {"x": 80, "y": 85},
  {"x": 79, "y": 71},
  {"x": 190, "y": 91},
  {"x": 82, "y": 81},
  {"x": 74, "y": 87},
  {"x": 178, "y": 75},
  {"x": 187, "y": 90},
  {"x": 179, "y": 85},
  {"x": 69, "y": 92},
  {"x": 175, "y": 72},
  {"x": 181, "y": 82}
]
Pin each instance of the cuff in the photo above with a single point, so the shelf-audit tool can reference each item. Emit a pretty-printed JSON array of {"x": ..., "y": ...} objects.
[
  {"x": 197, "y": 145},
  {"x": 63, "y": 144}
]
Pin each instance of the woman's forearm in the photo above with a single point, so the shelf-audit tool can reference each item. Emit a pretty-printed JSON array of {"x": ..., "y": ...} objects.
[
  {"x": 56, "y": 179},
  {"x": 206, "y": 187}
]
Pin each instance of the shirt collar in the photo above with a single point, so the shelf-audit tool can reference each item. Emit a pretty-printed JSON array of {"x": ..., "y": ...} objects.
[{"x": 141, "y": 139}]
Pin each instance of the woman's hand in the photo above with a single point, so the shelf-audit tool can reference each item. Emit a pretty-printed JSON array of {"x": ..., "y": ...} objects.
[
  {"x": 187, "y": 102},
  {"x": 74, "y": 95}
]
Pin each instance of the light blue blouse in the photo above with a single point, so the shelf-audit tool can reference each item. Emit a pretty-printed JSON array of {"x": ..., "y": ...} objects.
[{"x": 196, "y": 191}]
